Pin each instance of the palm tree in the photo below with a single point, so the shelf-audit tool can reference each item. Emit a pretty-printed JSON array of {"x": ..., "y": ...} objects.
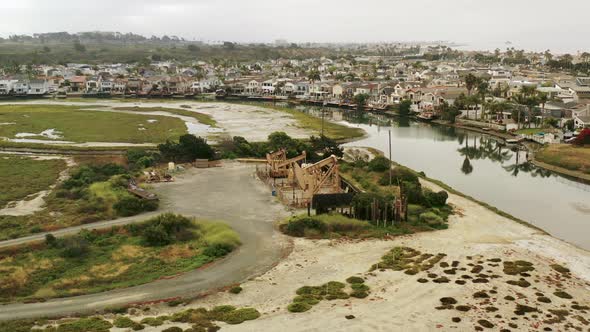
[
  {"x": 542, "y": 98},
  {"x": 483, "y": 89},
  {"x": 470, "y": 82}
]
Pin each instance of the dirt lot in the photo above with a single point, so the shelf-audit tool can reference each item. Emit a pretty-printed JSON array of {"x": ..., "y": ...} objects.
[{"x": 399, "y": 302}]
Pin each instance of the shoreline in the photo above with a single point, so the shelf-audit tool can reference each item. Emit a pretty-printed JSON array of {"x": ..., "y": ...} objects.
[{"x": 572, "y": 175}]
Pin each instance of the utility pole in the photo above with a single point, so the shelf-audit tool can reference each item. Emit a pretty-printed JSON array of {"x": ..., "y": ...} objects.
[
  {"x": 390, "y": 157},
  {"x": 323, "y": 106}
]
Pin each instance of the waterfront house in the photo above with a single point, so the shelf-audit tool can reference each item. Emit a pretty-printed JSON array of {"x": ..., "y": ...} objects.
[
  {"x": 7, "y": 86},
  {"x": 77, "y": 83},
  {"x": 21, "y": 87},
  {"x": 38, "y": 87}
]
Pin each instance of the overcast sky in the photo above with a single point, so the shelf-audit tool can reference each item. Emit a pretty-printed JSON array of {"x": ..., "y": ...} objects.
[{"x": 532, "y": 24}]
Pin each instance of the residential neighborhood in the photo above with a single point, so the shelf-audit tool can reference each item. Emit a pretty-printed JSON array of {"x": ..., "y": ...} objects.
[{"x": 429, "y": 85}]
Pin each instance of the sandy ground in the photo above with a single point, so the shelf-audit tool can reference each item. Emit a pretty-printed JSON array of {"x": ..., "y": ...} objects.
[
  {"x": 251, "y": 122},
  {"x": 398, "y": 302},
  {"x": 36, "y": 201}
]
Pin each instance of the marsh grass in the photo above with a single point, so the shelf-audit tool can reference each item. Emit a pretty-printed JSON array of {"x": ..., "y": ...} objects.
[
  {"x": 114, "y": 258},
  {"x": 22, "y": 176},
  {"x": 74, "y": 124}
]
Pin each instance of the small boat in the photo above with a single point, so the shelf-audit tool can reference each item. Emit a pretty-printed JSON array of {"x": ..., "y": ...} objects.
[{"x": 426, "y": 116}]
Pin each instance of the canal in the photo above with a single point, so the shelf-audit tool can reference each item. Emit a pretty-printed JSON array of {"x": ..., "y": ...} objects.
[{"x": 479, "y": 166}]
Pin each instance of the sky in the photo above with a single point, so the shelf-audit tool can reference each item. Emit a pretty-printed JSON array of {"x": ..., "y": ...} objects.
[{"x": 561, "y": 26}]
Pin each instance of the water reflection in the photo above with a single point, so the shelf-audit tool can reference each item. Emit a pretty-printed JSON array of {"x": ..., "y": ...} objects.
[{"x": 481, "y": 166}]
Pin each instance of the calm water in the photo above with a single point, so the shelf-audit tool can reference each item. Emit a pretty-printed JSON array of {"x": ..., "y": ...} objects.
[{"x": 476, "y": 165}]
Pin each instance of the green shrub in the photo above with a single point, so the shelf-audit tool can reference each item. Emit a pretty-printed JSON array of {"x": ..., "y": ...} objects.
[
  {"x": 165, "y": 228},
  {"x": 359, "y": 294},
  {"x": 126, "y": 322},
  {"x": 92, "y": 324},
  {"x": 379, "y": 164},
  {"x": 359, "y": 287},
  {"x": 398, "y": 175},
  {"x": 431, "y": 218},
  {"x": 218, "y": 250},
  {"x": 435, "y": 199},
  {"x": 240, "y": 315},
  {"x": 235, "y": 290},
  {"x": 152, "y": 321},
  {"x": 414, "y": 209},
  {"x": 320, "y": 225},
  {"x": 74, "y": 247},
  {"x": 355, "y": 280},
  {"x": 297, "y": 226},
  {"x": 131, "y": 205},
  {"x": 298, "y": 307},
  {"x": 173, "y": 329}
]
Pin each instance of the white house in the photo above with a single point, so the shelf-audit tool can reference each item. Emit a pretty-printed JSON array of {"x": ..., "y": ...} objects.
[
  {"x": 6, "y": 86},
  {"x": 268, "y": 86},
  {"x": 38, "y": 87},
  {"x": 21, "y": 87}
]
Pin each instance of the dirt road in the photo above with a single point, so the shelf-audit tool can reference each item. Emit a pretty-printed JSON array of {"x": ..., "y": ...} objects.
[{"x": 230, "y": 194}]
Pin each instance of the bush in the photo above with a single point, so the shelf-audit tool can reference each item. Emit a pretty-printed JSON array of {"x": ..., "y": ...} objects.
[
  {"x": 74, "y": 247},
  {"x": 218, "y": 250},
  {"x": 236, "y": 290},
  {"x": 379, "y": 164},
  {"x": 355, "y": 280},
  {"x": 240, "y": 315},
  {"x": 188, "y": 148},
  {"x": 399, "y": 174},
  {"x": 140, "y": 158},
  {"x": 320, "y": 225},
  {"x": 164, "y": 229},
  {"x": 124, "y": 322},
  {"x": 297, "y": 226},
  {"x": 413, "y": 192},
  {"x": 51, "y": 241},
  {"x": 152, "y": 321},
  {"x": 128, "y": 206},
  {"x": 173, "y": 329},
  {"x": 298, "y": 307},
  {"x": 436, "y": 199},
  {"x": 431, "y": 218},
  {"x": 93, "y": 324}
]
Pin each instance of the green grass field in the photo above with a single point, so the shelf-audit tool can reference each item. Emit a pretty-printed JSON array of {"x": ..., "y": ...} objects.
[
  {"x": 22, "y": 176},
  {"x": 92, "y": 262},
  {"x": 88, "y": 126}
]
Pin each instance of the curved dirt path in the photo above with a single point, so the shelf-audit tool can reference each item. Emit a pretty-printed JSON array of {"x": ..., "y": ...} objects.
[{"x": 230, "y": 194}]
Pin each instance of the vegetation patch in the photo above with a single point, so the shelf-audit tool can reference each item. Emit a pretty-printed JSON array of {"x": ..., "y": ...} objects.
[
  {"x": 563, "y": 295},
  {"x": 94, "y": 324},
  {"x": 517, "y": 267},
  {"x": 405, "y": 258},
  {"x": 92, "y": 193},
  {"x": 571, "y": 157},
  {"x": 235, "y": 290},
  {"x": 123, "y": 256},
  {"x": 202, "y": 118},
  {"x": 308, "y": 296},
  {"x": 202, "y": 319},
  {"x": 22, "y": 176},
  {"x": 71, "y": 122}
]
